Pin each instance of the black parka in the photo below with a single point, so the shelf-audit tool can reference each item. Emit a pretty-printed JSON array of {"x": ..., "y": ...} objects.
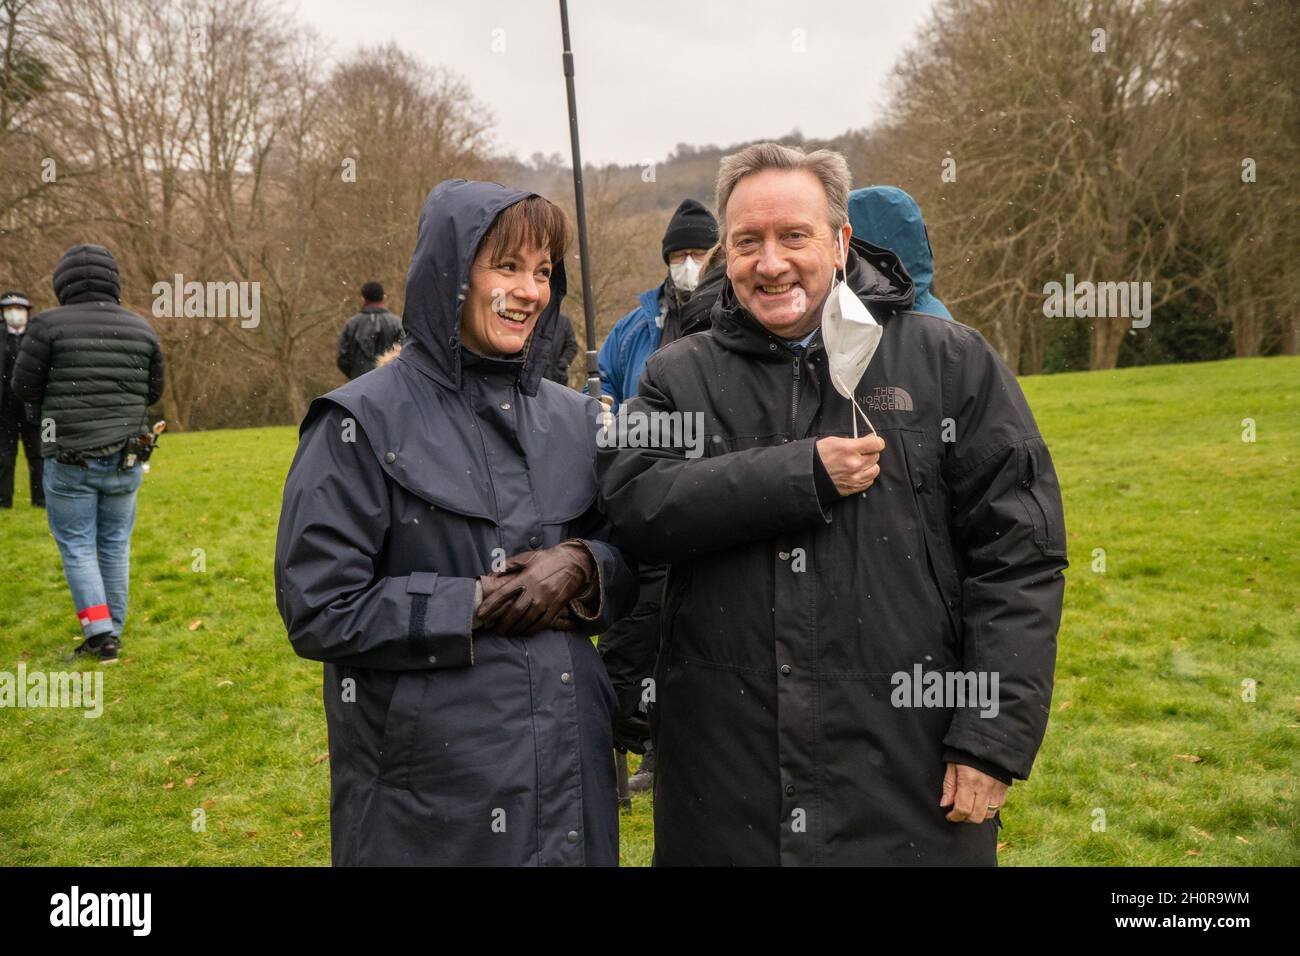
[
  {"x": 366, "y": 336},
  {"x": 785, "y": 616},
  {"x": 89, "y": 366},
  {"x": 446, "y": 746}
]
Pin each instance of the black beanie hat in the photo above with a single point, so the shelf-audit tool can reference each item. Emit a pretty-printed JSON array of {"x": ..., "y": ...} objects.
[
  {"x": 692, "y": 227},
  {"x": 372, "y": 292}
]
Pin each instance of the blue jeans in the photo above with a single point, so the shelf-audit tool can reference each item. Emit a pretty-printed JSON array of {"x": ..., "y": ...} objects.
[{"x": 91, "y": 512}]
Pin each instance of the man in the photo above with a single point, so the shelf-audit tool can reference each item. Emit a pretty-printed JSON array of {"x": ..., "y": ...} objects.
[
  {"x": 656, "y": 321},
  {"x": 368, "y": 334},
  {"x": 94, "y": 368},
  {"x": 563, "y": 348},
  {"x": 653, "y": 324},
  {"x": 811, "y": 570},
  {"x": 887, "y": 216},
  {"x": 14, "y": 421}
]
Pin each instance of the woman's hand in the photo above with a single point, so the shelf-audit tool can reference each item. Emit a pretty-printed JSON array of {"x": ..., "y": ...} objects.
[{"x": 533, "y": 592}]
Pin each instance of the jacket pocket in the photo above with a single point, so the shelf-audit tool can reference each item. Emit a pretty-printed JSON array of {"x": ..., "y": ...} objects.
[
  {"x": 401, "y": 728},
  {"x": 674, "y": 594},
  {"x": 926, "y": 489},
  {"x": 1040, "y": 496}
]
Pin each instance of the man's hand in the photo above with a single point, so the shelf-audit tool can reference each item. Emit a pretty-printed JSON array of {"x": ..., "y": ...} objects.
[
  {"x": 973, "y": 796},
  {"x": 851, "y": 462}
]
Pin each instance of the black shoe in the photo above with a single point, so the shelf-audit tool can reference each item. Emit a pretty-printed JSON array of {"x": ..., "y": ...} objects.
[
  {"x": 102, "y": 648},
  {"x": 644, "y": 778}
]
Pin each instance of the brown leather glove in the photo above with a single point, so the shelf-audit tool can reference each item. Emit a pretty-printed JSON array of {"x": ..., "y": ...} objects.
[{"x": 534, "y": 591}]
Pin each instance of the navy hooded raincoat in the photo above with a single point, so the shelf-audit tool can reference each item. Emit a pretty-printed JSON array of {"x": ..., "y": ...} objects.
[
  {"x": 887, "y": 216},
  {"x": 449, "y": 746}
]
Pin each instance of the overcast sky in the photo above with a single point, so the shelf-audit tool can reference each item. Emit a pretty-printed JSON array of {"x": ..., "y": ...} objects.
[{"x": 650, "y": 73}]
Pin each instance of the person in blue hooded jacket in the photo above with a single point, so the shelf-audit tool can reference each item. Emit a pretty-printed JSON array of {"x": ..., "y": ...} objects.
[
  {"x": 887, "y": 216},
  {"x": 443, "y": 550},
  {"x": 657, "y": 319}
]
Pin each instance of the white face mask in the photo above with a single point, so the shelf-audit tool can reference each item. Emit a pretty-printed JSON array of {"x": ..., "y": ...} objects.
[
  {"x": 850, "y": 336},
  {"x": 686, "y": 274},
  {"x": 16, "y": 318}
]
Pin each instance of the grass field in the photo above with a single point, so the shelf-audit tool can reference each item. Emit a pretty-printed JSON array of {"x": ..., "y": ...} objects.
[{"x": 210, "y": 709}]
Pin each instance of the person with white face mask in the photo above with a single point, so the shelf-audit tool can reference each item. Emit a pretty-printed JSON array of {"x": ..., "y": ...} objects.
[
  {"x": 875, "y": 500},
  {"x": 14, "y": 419}
]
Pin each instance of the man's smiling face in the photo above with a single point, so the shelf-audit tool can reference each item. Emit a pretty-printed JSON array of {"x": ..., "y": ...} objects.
[{"x": 781, "y": 250}]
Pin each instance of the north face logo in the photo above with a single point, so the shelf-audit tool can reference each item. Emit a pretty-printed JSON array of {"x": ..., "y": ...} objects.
[{"x": 888, "y": 398}]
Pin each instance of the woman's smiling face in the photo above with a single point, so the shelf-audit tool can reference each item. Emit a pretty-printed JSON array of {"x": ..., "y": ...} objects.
[{"x": 508, "y": 292}]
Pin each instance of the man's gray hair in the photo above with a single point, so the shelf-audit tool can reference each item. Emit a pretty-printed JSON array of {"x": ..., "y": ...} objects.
[{"x": 830, "y": 168}]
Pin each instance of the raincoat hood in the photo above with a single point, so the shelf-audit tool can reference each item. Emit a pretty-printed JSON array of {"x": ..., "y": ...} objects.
[
  {"x": 456, "y": 217},
  {"x": 889, "y": 217}
]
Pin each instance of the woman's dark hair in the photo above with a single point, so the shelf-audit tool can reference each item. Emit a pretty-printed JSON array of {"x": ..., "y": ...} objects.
[{"x": 534, "y": 221}]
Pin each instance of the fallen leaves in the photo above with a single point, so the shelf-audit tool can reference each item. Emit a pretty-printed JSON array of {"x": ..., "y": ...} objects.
[
  {"x": 196, "y": 624},
  {"x": 1190, "y": 758}
]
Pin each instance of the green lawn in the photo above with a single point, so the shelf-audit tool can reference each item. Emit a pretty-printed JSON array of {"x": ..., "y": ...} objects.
[{"x": 209, "y": 707}]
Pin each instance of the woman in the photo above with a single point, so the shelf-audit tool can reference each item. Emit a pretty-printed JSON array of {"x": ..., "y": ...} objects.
[{"x": 442, "y": 549}]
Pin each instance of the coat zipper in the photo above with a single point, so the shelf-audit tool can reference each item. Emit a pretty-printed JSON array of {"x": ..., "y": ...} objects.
[{"x": 794, "y": 399}]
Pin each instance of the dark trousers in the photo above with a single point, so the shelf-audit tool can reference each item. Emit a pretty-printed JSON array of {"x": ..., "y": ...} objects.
[{"x": 13, "y": 428}]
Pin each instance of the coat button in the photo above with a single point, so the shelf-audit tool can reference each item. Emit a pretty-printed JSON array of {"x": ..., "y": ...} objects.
[
  {"x": 433, "y": 658},
  {"x": 505, "y": 406},
  {"x": 771, "y": 346},
  {"x": 789, "y": 790},
  {"x": 783, "y": 555},
  {"x": 919, "y": 486},
  {"x": 566, "y": 677},
  {"x": 390, "y": 458},
  {"x": 785, "y": 669},
  {"x": 535, "y": 542},
  {"x": 572, "y": 836}
]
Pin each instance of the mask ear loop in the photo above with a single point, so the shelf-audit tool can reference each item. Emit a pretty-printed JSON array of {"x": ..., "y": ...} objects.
[{"x": 843, "y": 275}]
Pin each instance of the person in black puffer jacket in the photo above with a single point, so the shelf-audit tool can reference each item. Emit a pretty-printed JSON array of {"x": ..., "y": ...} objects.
[{"x": 93, "y": 368}]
